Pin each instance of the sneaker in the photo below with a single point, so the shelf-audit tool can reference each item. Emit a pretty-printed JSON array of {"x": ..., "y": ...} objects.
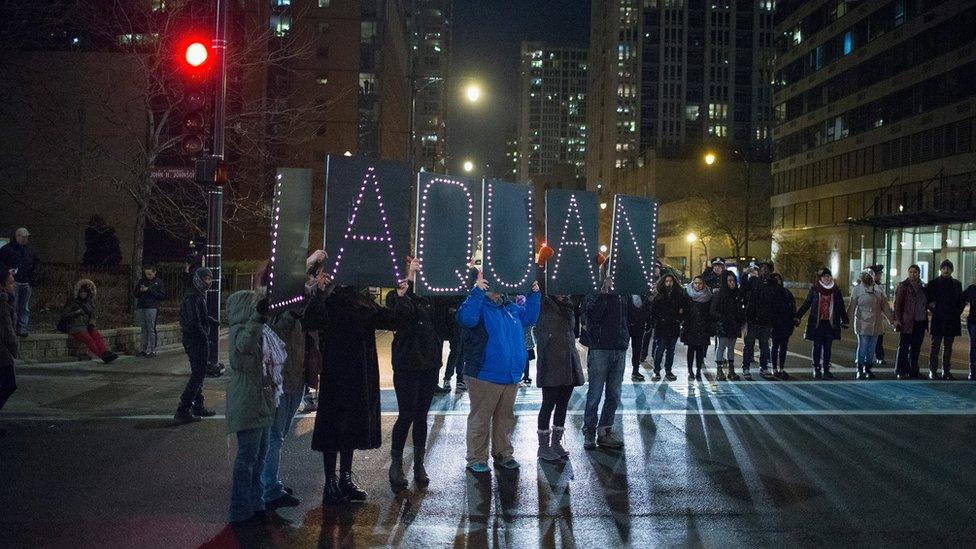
[
  {"x": 479, "y": 468},
  {"x": 526, "y": 382},
  {"x": 509, "y": 464},
  {"x": 764, "y": 371},
  {"x": 691, "y": 376},
  {"x": 607, "y": 439},
  {"x": 442, "y": 390},
  {"x": 637, "y": 376},
  {"x": 286, "y": 500},
  {"x": 670, "y": 377},
  {"x": 589, "y": 440},
  {"x": 746, "y": 375},
  {"x": 151, "y": 354},
  {"x": 656, "y": 376},
  {"x": 142, "y": 354},
  {"x": 461, "y": 386},
  {"x": 215, "y": 370},
  {"x": 733, "y": 376}
]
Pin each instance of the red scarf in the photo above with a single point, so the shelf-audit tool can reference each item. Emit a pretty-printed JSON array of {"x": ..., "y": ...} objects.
[{"x": 825, "y": 302}]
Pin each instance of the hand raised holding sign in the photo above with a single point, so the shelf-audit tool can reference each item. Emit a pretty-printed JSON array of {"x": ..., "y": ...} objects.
[
  {"x": 403, "y": 287},
  {"x": 482, "y": 284}
]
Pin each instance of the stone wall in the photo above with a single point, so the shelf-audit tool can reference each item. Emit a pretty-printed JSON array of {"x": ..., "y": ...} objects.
[{"x": 62, "y": 347}]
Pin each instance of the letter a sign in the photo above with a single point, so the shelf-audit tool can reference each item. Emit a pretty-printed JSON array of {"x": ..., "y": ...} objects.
[
  {"x": 366, "y": 223},
  {"x": 633, "y": 244}
]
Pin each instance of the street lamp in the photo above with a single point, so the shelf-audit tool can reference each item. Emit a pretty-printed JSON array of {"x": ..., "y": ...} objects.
[
  {"x": 691, "y": 238},
  {"x": 473, "y": 93},
  {"x": 710, "y": 158},
  {"x": 468, "y": 166}
]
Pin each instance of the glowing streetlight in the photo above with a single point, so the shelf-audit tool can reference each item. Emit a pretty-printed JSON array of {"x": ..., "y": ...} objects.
[
  {"x": 468, "y": 166},
  {"x": 710, "y": 158},
  {"x": 472, "y": 92},
  {"x": 691, "y": 238}
]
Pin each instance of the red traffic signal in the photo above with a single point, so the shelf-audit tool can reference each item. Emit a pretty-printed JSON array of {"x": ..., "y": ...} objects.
[{"x": 196, "y": 54}]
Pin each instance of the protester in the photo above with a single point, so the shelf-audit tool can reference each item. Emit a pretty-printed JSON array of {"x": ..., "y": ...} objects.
[
  {"x": 78, "y": 320},
  {"x": 417, "y": 350},
  {"x": 944, "y": 295},
  {"x": 493, "y": 345},
  {"x": 728, "y": 315},
  {"x": 868, "y": 310},
  {"x": 558, "y": 371},
  {"x": 911, "y": 319},
  {"x": 149, "y": 291},
  {"x": 348, "y": 416},
  {"x": 529, "y": 347},
  {"x": 969, "y": 298},
  {"x": 714, "y": 276},
  {"x": 606, "y": 325},
  {"x": 8, "y": 339},
  {"x": 760, "y": 295},
  {"x": 666, "y": 317},
  {"x": 318, "y": 280},
  {"x": 877, "y": 271},
  {"x": 827, "y": 318},
  {"x": 696, "y": 326},
  {"x": 195, "y": 323},
  {"x": 784, "y": 311},
  {"x": 253, "y": 392},
  {"x": 288, "y": 326},
  {"x": 638, "y": 322},
  {"x": 19, "y": 256}
]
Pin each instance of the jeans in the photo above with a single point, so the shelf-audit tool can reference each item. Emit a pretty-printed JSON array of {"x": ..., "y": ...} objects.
[
  {"x": 287, "y": 406},
  {"x": 866, "y": 347},
  {"x": 455, "y": 362},
  {"x": 93, "y": 340},
  {"x": 909, "y": 347},
  {"x": 971, "y": 326},
  {"x": 725, "y": 349},
  {"x": 196, "y": 350},
  {"x": 605, "y": 375},
  {"x": 821, "y": 350},
  {"x": 754, "y": 332},
  {"x": 246, "y": 495},
  {"x": 941, "y": 346},
  {"x": 639, "y": 341},
  {"x": 8, "y": 383},
  {"x": 146, "y": 320},
  {"x": 414, "y": 391},
  {"x": 696, "y": 357},
  {"x": 778, "y": 352},
  {"x": 664, "y": 348},
  {"x": 21, "y": 304},
  {"x": 554, "y": 399}
]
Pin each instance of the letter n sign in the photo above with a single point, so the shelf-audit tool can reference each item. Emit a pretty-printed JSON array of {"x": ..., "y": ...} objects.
[
  {"x": 633, "y": 244},
  {"x": 367, "y": 220}
]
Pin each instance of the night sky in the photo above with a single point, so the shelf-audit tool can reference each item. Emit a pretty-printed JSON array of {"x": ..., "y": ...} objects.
[{"x": 487, "y": 40}]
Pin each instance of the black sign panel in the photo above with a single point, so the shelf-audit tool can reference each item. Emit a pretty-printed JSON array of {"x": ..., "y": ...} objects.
[
  {"x": 633, "y": 244},
  {"x": 367, "y": 220},
  {"x": 572, "y": 233},
  {"x": 508, "y": 237},
  {"x": 289, "y": 237},
  {"x": 446, "y": 232}
]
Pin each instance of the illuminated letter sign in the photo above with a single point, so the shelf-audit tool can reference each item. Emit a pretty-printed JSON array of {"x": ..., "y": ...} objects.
[
  {"x": 290, "y": 214},
  {"x": 445, "y": 233},
  {"x": 633, "y": 244},
  {"x": 508, "y": 237},
  {"x": 367, "y": 219},
  {"x": 571, "y": 232}
]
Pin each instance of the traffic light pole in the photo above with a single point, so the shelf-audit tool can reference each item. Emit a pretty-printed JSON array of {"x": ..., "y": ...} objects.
[{"x": 215, "y": 191}]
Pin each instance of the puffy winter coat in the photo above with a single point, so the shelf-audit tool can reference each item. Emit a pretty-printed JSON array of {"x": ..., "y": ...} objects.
[
  {"x": 868, "y": 310},
  {"x": 493, "y": 337},
  {"x": 416, "y": 343},
  {"x": 761, "y": 297},
  {"x": 728, "y": 311},
  {"x": 907, "y": 296},
  {"x": 250, "y": 390},
  {"x": 606, "y": 321},
  {"x": 194, "y": 319},
  {"x": 945, "y": 301},
  {"x": 287, "y": 325},
  {"x": 784, "y": 313},
  {"x": 696, "y": 323},
  {"x": 79, "y": 314},
  {"x": 838, "y": 315},
  {"x": 557, "y": 362},
  {"x": 666, "y": 312}
]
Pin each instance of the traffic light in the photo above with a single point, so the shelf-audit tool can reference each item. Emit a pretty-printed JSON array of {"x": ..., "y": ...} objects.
[{"x": 196, "y": 65}]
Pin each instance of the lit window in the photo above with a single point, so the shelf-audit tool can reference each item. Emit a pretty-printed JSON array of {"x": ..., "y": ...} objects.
[
  {"x": 367, "y": 30},
  {"x": 281, "y": 24},
  {"x": 321, "y": 79},
  {"x": 848, "y": 42},
  {"x": 324, "y": 3}
]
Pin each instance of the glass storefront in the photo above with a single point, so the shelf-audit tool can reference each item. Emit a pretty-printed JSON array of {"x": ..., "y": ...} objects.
[{"x": 924, "y": 246}]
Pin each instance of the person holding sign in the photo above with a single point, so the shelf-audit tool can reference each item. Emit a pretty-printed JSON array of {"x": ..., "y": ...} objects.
[
  {"x": 417, "y": 350},
  {"x": 348, "y": 416},
  {"x": 608, "y": 338},
  {"x": 493, "y": 348}
]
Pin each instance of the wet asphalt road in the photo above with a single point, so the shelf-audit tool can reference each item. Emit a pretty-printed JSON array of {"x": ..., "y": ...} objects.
[{"x": 92, "y": 460}]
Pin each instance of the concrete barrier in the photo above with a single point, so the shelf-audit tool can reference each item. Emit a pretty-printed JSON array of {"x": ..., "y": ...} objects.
[{"x": 60, "y": 347}]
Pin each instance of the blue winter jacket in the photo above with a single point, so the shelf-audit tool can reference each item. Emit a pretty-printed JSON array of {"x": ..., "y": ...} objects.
[{"x": 493, "y": 344}]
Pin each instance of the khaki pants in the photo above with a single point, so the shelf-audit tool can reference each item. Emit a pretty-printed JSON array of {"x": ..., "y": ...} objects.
[{"x": 492, "y": 404}]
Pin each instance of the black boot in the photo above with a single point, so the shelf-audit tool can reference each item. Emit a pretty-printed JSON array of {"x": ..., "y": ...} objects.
[
  {"x": 826, "y": 371},
  {"x": 332, "y": 494},
  {"x": 108, "y": 357},
  {"x": 698, "y": 373},
  {"x": 200, "y": 410},
  {"x": 817, "y": 374},
  {"x": 419, "y": 471},
  {"x": 972, "y": 372},
  {"x": 352, "y": 493},
  {"x": 934, "y": 374},
  {"x": 868, "y": 374},
  {"x": 947, "y": 375},
  {"x": 860, "y": 372},
  {"x": 183, "y": 415},
  {"x": 719, "y": 373},
  {"x": 398, "y": 481}
]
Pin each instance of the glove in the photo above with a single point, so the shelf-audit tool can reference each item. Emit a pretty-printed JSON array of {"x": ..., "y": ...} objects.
[{"x": 264, "y": 307}]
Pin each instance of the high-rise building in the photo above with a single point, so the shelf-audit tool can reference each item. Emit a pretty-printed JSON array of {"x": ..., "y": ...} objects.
[
  {"x": 874, "y": 157},
  {"x": 678, "y": 76},
  {"x": 552, "y": 109},
  {"x": 430, "y": 25}
]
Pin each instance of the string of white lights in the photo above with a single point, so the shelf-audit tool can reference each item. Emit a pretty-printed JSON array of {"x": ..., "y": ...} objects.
[
  {"x": 422, "y": 232},
  {"x": 621, "y": 214},
  {"x": 574, "y": 209},
  {"x": 387, "y": 235},
  {"x": 489, "y": 213}
]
